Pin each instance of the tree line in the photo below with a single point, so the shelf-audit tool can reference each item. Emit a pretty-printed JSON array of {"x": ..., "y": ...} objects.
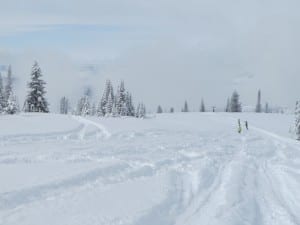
[
  {"x": 233, "y": 104},
  {"x": 111, "y": 104}
]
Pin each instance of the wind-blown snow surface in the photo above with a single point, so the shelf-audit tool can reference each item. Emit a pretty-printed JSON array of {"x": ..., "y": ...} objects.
[{"x": 181, "y": 169}]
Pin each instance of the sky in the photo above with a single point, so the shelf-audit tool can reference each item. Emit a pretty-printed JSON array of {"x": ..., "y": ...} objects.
[{"x": 166, "y": 51}]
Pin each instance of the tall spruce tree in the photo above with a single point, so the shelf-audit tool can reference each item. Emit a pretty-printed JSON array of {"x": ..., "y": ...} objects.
[
  {"x": 297, "y": 120},
  {"x": 93, "y": 109},
  {"x": 227, "y": 109},
  {"x": 129, "y": 105},
  {"x": 83, "y": 106},
  {"x": 258, "y": 107},
  {"x": 2, "y": 98},
  {"x": 106, "y": 103},
  {"x": 114, "y": 109},
  {"x": 36, "y": 101},
  {"x": 235, "y": 105},
  {"x": 159, "y": 109},
  {"x": 8, "y": 86},
  {"x": 140, "y": 111},
  {"x": 185, "y": 107},
  {"x": 202, "y": 107},
  {"x": 109, "y": 101},
  {"x": 121, "y": 100},
  {"x": 267, "y": 108},
  {"x": 64, "y": 105}
]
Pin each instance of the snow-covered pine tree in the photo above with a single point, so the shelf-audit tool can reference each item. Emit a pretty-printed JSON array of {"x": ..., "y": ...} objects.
[
  {"x": 202, "y": 107},
  {"x": 121, "y": 100},
  {"x": 258, "y": 107},
  {"x": 36, "y": 101},
  {"x": 12, "y": 106},
  {"x": 124, "y": 109},
  {"x": 83, "y": 106},
  {"x": 159, "y": 109},
  {"x": 109, "y": 101},
  {"x": 8, "y": 86},
  {"x": 142, "y": 113},
  {"x": 103, "y": 108},
  {"x": 114, "y": 109},
  {"x": 137, "y": 112},
  {"x": 297, "y": 120},
  {"x": 64, "y": 105},
  {"x": 227, "y": 109},
  {"x": 103, "y": 101},
  {"x": 235, "y": 105},
  {"x": 99, "y": 109},
  {"x": 93, "y": 109},
  {"x": 79, "y": 107},
  {"x": 2, "y": 98},
  {"x": 129, "y": 105},
  {"x": 185, "y": 107},
  {"x": 267, "y": 108}
]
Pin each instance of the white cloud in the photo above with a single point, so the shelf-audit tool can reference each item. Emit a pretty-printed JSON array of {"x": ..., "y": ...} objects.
[{"x": 185, "y": 49}]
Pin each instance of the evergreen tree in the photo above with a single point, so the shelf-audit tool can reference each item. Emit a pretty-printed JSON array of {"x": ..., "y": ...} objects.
[
  {"x": 2, "y": 98},
  {"x": 12, "y": 106},
  {"x": 79, "y": 107},
  {"x": 36, "y": 101},
  {"x": 235, "y": 105},
  {"x": 258, "y": 104},
  {"x": 137, "y": 113},
  {"x": 64, "y": 105},
  {"x": 114, "y": 109},
  {"x": 202, "y": 107},
  {"x": 185, "y": 107},
  {"x": 83, "y": 106},
  {"x": 109, "y": 101},
  {"x": 102, "y": 108},
  {"x": 140, "y": 111},
  {"x": 121, "y": 100},
  {"x": 172, "y": 110},
  {"x": 227, "y": 109},
  {"x": 93, "y": 109},
  {"x": 86, "y": 108},
  {"x": 267, "y": 108},
  {"x": 8, "y": 86},
  {"x": 130, "y": 106},
  {"x": 297, "y": 121},
  {"x": 159, "y": 109}
]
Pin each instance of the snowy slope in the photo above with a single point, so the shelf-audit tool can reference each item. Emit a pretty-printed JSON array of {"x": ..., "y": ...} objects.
[{"x": 184, "y": 169}]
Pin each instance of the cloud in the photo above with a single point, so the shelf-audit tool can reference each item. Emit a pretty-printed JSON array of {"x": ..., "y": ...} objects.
[{"x": 166, "y": 51}]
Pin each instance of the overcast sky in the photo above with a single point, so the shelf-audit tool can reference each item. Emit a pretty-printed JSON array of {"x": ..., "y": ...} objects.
[{"x": 165, "y": 50}]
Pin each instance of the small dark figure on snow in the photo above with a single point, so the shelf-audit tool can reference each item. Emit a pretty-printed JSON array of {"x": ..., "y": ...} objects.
[
  {"x": 239, "y": 126},
  {"x": 246, "y": 124}
]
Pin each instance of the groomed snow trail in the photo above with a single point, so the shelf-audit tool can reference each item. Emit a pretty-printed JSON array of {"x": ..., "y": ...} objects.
[{"x": 183, "y": 169}]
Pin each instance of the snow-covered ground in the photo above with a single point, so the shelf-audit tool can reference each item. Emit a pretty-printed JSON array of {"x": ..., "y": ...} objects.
[{"x": 174, "y": 169}]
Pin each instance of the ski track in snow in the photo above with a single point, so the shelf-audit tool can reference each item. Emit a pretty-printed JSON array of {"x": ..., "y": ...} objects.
[{"x": 246, "y": 179}]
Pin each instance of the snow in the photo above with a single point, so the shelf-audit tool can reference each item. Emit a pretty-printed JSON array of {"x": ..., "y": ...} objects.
[{"x": 181, "y": 168}]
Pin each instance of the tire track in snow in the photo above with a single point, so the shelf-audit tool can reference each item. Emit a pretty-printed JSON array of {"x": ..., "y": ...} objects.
[
  {"x": 27, "y": 138},
  {"x": 86, "y": 123},
  {"x": 15, "y": 199}
]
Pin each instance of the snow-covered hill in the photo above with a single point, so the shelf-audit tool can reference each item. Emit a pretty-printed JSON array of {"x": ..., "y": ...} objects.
[{"x": 181, "y": 169}]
